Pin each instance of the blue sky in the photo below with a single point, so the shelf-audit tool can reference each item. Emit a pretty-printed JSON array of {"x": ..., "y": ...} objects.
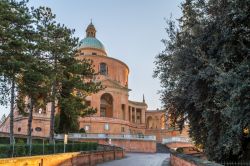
[{"x": 131, "y": 31}]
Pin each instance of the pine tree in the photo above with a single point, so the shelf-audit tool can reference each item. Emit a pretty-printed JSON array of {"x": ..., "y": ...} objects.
[
  {"x": 77, "y": 84},
  {"x": 68, "y": 74},
  {"x": 58, "y": 45},
  {"x": 35, "y": 87},
  {"x": 15, "y": 33}
]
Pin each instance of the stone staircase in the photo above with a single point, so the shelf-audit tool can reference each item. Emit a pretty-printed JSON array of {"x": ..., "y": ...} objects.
[{"x": 161, "y": 148}]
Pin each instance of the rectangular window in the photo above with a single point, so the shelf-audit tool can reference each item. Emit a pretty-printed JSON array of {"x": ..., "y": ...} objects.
[
  {"x": 103, "y": 69},
  {"x": 122, "y": 129}
]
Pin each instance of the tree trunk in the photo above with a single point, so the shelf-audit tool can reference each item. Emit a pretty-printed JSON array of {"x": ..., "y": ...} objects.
[
  {"x": 52, "y": 114},
  {"x": 53, "y": 105},
  {"x": 12, "y": 101},
  {"x": 29, "y": 134}
]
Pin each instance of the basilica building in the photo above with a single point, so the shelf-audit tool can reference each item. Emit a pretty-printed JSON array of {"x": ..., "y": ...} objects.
[{"x": 116, "y": 114}]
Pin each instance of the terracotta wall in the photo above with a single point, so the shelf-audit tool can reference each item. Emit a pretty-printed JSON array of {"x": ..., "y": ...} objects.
[
  {"x": 179, "y": 144},
  {"x": 64, "y": 159},
  {"x": 179, "y": 159},
  {"x": 129, "y": 145},
  {"x": 21, "y": 126},
  {"x": 175, "y": 161},
  {"x": 117, "y": 70},
  {"x": 156, "y": 119},
  {"x": 96, "y": 125},
  {"x": 136, "y": 145},
  {"x": 160, "y": 134},
  {"x": 165, "y": 133}
]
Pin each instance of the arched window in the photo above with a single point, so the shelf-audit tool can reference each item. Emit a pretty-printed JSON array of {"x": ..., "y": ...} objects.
[
  {"x": 149, "y": 122},
  {"x": 106, "y": 105},
  {"x": 103, "y": 69}
]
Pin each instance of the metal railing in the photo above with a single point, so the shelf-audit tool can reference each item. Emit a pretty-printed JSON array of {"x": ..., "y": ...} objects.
[
  {"x": 107, "y": 136},
  {"x": 176, "y": 139}
]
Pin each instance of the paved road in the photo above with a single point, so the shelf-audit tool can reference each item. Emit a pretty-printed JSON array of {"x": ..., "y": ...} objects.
[{"x": 139, "y": 159}]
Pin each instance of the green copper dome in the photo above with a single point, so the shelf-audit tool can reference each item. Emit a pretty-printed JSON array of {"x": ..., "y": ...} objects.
[{"x": 91, "y": 42}]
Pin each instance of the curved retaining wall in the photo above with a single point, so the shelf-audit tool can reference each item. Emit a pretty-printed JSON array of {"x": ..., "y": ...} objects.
[
  {"x": 65, "y": 159},
  {"x": 178, "y": 159}
]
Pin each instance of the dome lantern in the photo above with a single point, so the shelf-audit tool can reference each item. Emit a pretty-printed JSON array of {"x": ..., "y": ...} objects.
[
  {"x": 90, "y": 31},
  {"x": 90, "y": 45}
]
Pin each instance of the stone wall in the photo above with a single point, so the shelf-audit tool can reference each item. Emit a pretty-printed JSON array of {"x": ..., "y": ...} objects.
[
  {"x": 96, "y": 125},
  {"x": 65, "y": 159},
  {"x": 136, "y": 145},
  {"x": 178, "y": 144},
  {"x": 165, "y": 133},
  {"x": 143, "y": 146},
  {"x": 178, "y": 159}
]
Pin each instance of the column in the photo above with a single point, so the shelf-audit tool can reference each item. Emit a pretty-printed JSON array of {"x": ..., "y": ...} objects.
[
  {"x": 130, "y": 111},
  {"x": 140, "y": 116},
  {"x": 135, "y": 116},
  {"x": 143, "y": 116}
]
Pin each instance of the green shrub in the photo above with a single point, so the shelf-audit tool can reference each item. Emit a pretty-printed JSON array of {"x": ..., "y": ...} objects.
[
  {"x": 20, "y": 141},
  {"x": 37, "y": 149},
  {"x": 49, "y": 149},
  {"x": 82, "y": 130},
  {"x": 5, "y": 151},
  {"x": 179, "y": 150},
  {"x": 21, "y": 149},
  {"x": 59, "y": 148},
  {"x": 4, "y": 140}
]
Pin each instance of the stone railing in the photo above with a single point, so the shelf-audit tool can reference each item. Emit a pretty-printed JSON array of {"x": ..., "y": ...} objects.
[
  {"x": 107, "y": 136},
  {"x": 112, "y": 120},
  {"x": 176, "y": 139}
]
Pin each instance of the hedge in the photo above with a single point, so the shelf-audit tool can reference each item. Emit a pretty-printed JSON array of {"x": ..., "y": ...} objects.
[
  {"x": 6, "y": 140},
  {"x": 40, "y": 149}
]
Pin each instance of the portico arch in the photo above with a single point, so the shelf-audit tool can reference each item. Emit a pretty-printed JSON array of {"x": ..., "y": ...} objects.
[
  {"x": 149, "y": 122},
  {"x": 106, "y": 105}
]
